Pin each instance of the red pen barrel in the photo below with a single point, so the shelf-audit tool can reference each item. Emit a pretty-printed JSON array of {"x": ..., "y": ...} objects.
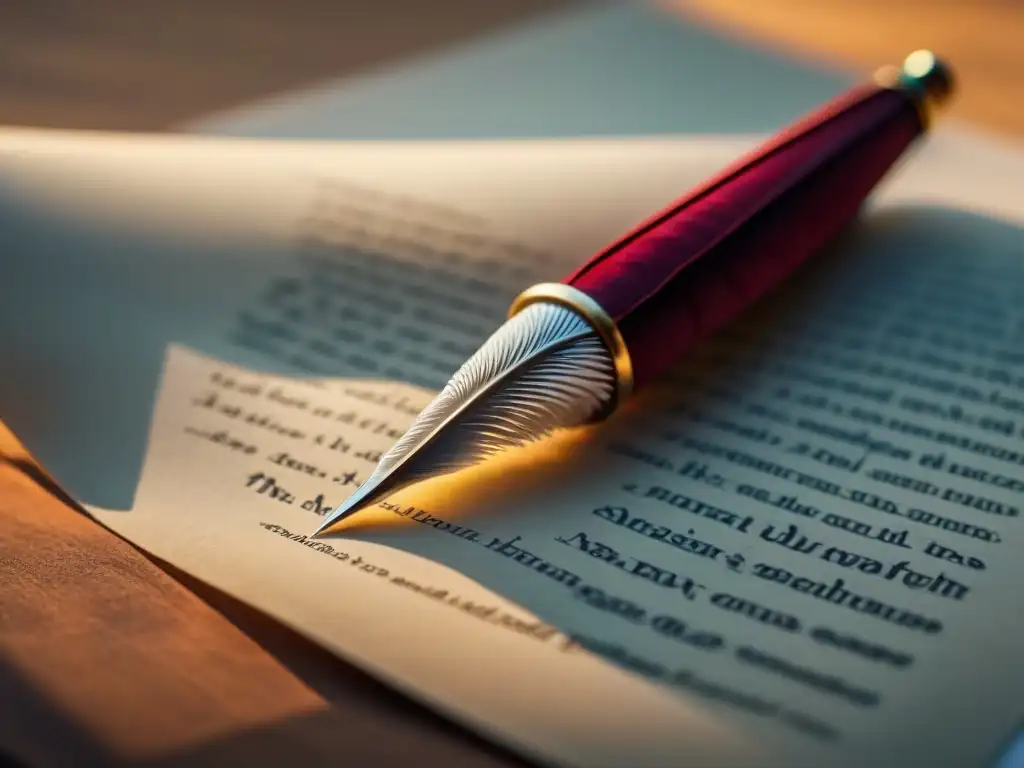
[
  {"x": 701, "y": 261},
  {"x": 573, "y": 351}
]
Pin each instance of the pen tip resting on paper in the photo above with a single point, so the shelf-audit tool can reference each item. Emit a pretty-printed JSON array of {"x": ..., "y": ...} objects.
[
  {"x": 543, "y": 369},
  {"x": 332, "y": 519},
  {"x": 365, "y": 496}
]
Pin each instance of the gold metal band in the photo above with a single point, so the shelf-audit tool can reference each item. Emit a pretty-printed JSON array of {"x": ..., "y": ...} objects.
[
  {"x": 600, "y": 321},
  {"x": 927, "y": 80}
]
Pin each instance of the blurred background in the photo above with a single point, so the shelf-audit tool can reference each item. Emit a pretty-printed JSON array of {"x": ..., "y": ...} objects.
[{"x": 455, "y": 68}]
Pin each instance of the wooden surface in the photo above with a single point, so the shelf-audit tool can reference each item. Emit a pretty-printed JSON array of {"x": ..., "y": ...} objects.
[
  {"x": 105, "y": 657},
  {"x": 150, "y": 64},
  {"x": 985, "y": 39}
]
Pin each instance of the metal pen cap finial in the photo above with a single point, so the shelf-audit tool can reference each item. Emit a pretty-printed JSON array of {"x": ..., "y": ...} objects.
[
  {"x": 572, "y": 352},
  {"x": 926, "y": 77}
]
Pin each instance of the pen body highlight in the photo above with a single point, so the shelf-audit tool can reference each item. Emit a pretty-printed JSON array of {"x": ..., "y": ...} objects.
[{"x": 571, "y": 352}]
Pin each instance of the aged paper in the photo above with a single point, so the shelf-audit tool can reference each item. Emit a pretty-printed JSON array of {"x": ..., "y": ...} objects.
[
  {"x": 798, "y": 549},
  {"x": 118, "y": 245},
  {"x": 215, "y": 502},
  {"x": 807, "y": 532}
]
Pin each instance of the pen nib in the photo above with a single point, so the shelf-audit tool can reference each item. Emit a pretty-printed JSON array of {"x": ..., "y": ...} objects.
[
  {"x": 545, "y": 368},
  {"x": 363, "y": 498}
]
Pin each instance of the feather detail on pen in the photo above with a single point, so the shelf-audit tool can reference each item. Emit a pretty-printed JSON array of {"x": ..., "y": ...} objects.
[{"x": 543, "y": 369}]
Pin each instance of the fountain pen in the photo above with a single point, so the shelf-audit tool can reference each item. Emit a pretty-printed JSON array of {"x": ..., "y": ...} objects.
[{"x": 572, "y": 352}]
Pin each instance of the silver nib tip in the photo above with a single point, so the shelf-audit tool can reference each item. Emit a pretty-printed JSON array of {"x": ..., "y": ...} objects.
[
  {"x": 323, "y": 527},
  {"x": 543, "y": 369},
  {"x": 368, "y": 494},
  {"x": 334, "y": 518}
]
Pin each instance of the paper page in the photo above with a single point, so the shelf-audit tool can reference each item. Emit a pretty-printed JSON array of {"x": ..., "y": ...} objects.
[
  {"x": 810, "y": 532},
  {"x": 231, "y": 499},
  {"x": 639, "y": 541},
  {"x": 118, "y": 245}
]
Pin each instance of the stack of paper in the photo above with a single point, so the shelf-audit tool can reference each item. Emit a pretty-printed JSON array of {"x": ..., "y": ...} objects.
[{"x": 804, "y": 535}]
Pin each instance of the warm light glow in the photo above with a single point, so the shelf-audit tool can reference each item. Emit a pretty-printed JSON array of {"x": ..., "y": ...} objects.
[
  {"x": 919, "y": 63},
  {"x": 518, "y": 472}
]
